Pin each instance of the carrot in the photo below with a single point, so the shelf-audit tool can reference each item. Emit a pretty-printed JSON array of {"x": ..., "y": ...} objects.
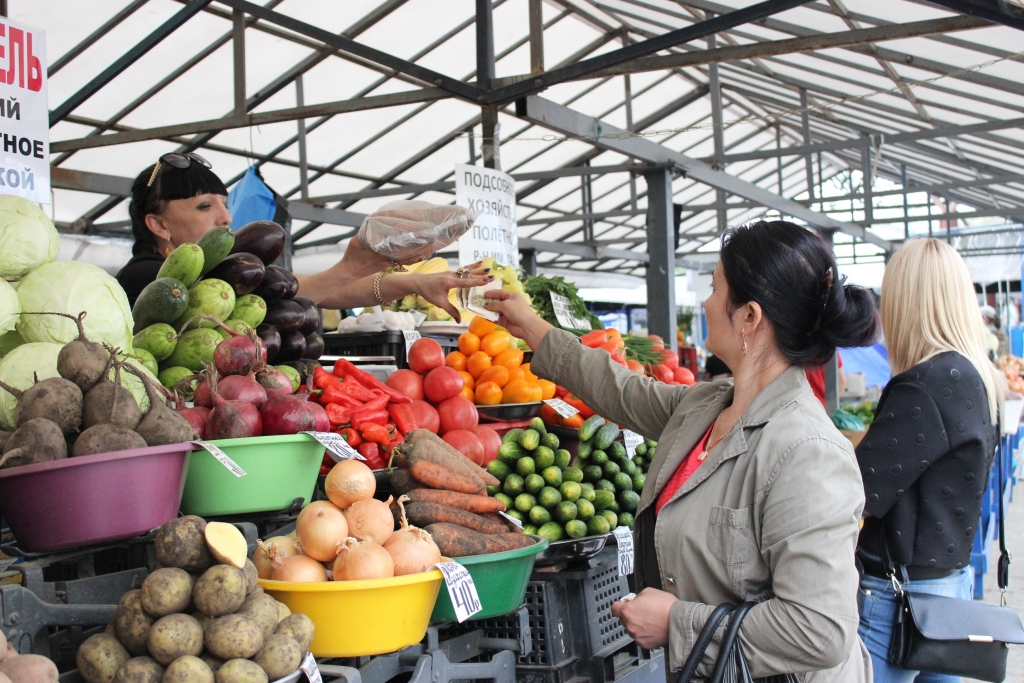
[
  {"x": 426, "y": 451},
  {"x": 477, "y": 504},
  {"x": 402, "y": 482},
  {"x": 425, "y": 436},
  {"x": 499, "y": 543},
  {"x": 422, "y": 514},
  {"x": 438, "y": 477},
  {"x": 457, "y": 541},
  {"x": 495, "y": 517}
]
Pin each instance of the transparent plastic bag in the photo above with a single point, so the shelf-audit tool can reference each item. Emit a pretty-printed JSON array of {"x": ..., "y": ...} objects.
[{"x": 409, "y": 231}]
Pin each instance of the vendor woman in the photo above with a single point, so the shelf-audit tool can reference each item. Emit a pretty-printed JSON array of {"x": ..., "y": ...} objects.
[{"x": 179, "y": 199}]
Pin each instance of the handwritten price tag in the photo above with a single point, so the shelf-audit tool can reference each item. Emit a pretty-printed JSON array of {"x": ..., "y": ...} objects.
[
  {"x": 624, "y": 538},
  {"x": 563, "y": 313},
  {"x": 222, "y": 457},
  {"x": 631, "y": 440},
  {"x": 561, "y": 407},
  {"x": 511, "y": 519},
  {"x": 336, "y": 446},
  {"x": 309, "y": 668},
  {"x": 461, "y": 590},
  {"x": 410, "y": 338}
]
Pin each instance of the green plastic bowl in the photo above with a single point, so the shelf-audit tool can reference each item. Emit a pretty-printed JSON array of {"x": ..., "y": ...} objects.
[
  {"x": 500, "y": 580},
  {"x": 278, "y": 469}
]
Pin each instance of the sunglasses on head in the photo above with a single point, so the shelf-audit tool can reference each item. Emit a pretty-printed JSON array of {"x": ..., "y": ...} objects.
[{"x": 180, "y": 161}]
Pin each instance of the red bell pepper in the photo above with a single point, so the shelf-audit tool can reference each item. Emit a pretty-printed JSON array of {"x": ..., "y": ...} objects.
[
  {"x": 357, "y": 391},
  {"x": 351, "y": 436},
  {"x": 375, "y": 433},
  {"x": 579, "y": 405},
  {"x": 336, "y": 393},
  {"x": 378, "y": 417},
  {"x": 574, "y": 422},
  {"x": 323, "y": 379},
  {"x": 338, "y": 415},
  {"x": 376, "y": 403},
  {"x": 395, "y": 442},
  {"x": 326, "y": 464},
  {"x": 347, "y": 369},
  {"x": 403, "y": 416},
  {"x": 594, "y": 339},
  {"x": 371, "y": 452},
  {"x": 560, "y": 391}
]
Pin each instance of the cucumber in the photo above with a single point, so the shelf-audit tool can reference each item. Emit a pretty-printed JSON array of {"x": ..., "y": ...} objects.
[
  {"x": 641, "y": 449},
  {"x": 589, "y": 428},
  {"x": 606, "y": 435},
  {"x": 537, "y": 425},
  {"x": 549, "y": 440},
  {"x": 185, "y": 264},
  {"x": 509, "y": 453},
  {"x": 617, "y": 450},
  {"x": 512, "y": 435},
  {"x": 216, "y": 245},
  {"x": 584, "y": 450},
  {"x": 162, "y": 301},
  {"x": 603, "y": 499},
  {"x": 159, "y": 339},
  {"x": 529, "y": 439}
]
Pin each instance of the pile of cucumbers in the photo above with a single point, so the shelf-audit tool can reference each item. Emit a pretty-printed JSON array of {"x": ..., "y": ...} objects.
[
  {"x": 558, "y": 497},
  {"x": 223, "y": 276}
]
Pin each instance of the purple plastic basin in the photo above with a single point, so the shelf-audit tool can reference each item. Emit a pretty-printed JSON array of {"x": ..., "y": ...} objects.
[{"x": 93, "y": 498}]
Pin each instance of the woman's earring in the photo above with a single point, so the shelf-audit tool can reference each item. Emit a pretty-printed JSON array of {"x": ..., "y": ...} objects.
[
  {"x": 744, "y": 349},
  {"x": 166, "y": 251}
]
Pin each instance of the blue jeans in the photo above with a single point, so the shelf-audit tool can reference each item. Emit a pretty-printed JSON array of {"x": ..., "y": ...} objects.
[{"x": 877, "y": 604}]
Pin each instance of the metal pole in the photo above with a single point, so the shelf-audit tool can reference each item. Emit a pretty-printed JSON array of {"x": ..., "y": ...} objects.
[
  {"x": 868, "y": 182},
  {"x": 472, "y": 146},
  {"x": 3, "y": 8},
  {"x": 929, "y": 199},
  {"x": 661, "y": 268},
  {"x": 536, "y": 38},
  {"x": 627, "y": 84},
  {"x": 300, "y": 101},
  {"x": 715, "y": 92},
  {"x": 906, "y": 207},
  {"x": 238, "y": 45},
  {"x": 586, "y": 202},
  {"x": 490, "y": 149},
  {"x": 831, "y": 369},
  {"x": 528, "y": 261},
  {"x": 805, "y": 124},
  {"x": 778, "y": 145}
]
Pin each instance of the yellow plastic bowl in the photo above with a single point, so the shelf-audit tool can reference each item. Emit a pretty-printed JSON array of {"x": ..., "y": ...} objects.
[{"x": 359, "y": 618}]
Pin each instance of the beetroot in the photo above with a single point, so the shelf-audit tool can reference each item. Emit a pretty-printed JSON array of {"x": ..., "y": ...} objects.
[
  {"x": 236, "y": 356},
  {"x": 231, "y": 419},
  {"x": 196, "y": 417},
  {"x": 288, "y": 414},
  {"x": 273, "y": 380},
  {"x": 242, "y": 388},
  {"x": 323, "y": 424},
  {"x": 201, "y": 396}
]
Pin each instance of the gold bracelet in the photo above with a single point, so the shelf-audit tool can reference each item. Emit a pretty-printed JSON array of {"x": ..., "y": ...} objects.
[{"x": 376, "y": 290}]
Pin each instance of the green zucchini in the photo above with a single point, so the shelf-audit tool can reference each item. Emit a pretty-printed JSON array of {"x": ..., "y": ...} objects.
[
  {"x": 589, "y": 428},
  {"x": 162, "y": 301},
  {"x": 216, "y": 246},
  {"x": 184, "y": 263},
  {"x": 606, "y": 435}
]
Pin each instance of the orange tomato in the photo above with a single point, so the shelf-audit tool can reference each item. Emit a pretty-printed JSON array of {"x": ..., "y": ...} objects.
[
  {"x": 547, "y": 389},
  {"x": 481, "y": 326},
  {"x": 469, "y": 343},
  {"x": 497, "y": 374},
  {"x": 535, "y": 392},
  {"x": 518, "y": 391},
  {"x": 467, "y": 394},
  {"x": 456, "y": 360},
  {"x": 515, "y": 374},
  {"x": 495, "y": 343},
  {"x": 509, "y": 358},
  {"x": 467, "y": 379},
  {"x": 478, "y": 363},
  {"x": 488, "y": 394},
  {"x": 530, "y": 377}
]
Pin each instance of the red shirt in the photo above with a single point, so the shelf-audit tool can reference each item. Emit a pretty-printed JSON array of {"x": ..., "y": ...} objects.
[
  {"x": 816, "y": 378},
  {"x": 682, "y": 473}
]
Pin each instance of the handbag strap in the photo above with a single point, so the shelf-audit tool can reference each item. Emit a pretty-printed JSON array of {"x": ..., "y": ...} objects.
[
  {"x": 703, "y": 640},
  {"x": 727, "y": 651},
  {"x": 1003, "y": 567}
]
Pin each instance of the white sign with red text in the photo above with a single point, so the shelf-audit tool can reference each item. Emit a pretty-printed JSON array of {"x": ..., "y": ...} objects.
[{"x": 24, "y": 113}]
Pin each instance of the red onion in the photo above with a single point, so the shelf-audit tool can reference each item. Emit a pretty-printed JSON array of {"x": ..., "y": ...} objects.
[
  {"x": 196, "y": 417},
  {"x": 201, "y": 397},
  {"x": 242, "y": 388},
  {"x": 236, "y": 355},
  {"x": 287, "y": 414},
  {"x": 274, "y": 381},
  {"x": 231, "y": 419},
  {"x": 323, "y": 423}
]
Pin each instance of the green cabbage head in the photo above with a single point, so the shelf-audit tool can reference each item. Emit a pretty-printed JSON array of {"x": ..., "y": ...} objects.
[
  {"x": 18, "y": 368},
  {"x": 72, "y": 287},
  {"x": 28, "y": 237},
  {"x": 10, "y": 307}
]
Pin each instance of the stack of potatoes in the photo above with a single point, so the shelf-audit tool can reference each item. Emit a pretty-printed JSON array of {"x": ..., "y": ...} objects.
[{"x": 200, "y": 618}]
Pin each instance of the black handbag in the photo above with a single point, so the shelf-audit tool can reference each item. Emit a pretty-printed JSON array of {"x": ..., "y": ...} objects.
[
  {"x": 731, "y": 665},
  {"x": 957, "y": 637}
]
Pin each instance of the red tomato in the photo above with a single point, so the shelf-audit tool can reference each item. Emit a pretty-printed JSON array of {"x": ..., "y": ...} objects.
[
  {"x": 425, "y": 354},
  {"x": 457, "y": 413},
  {"x": 467, "y": 443},
  {"x": 670, "y": 358},
  {"x": 635, "y": 367},
  {"x": 406, "y": 382},
  {"x": 684, "y": 376},
  {"x": 426, "y": 416},
  {"x": 442, "y": 383},
  {"x": 491, "y": 442}
]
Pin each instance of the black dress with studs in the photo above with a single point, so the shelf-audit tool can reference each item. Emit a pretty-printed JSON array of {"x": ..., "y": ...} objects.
[{"x": 925, "y": 462}]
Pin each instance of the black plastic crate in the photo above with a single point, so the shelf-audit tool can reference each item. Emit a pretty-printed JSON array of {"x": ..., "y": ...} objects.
[{"x": 386, "y": 343}]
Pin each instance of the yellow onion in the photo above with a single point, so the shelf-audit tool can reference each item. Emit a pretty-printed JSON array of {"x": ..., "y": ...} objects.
[
  {"x": 371, "y": 520},
  {"x": 411, "y": 548},
  {"x": 298, "y": 569},
  {"x": 358, "y": 560},
  {"x": 320, "y": 526},
  {"x": 349, "y": 481},
  {"x": 263, "y": 558}
]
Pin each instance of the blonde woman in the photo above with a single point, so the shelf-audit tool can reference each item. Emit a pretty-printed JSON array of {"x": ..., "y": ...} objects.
[{"x": 926, "y": 457}]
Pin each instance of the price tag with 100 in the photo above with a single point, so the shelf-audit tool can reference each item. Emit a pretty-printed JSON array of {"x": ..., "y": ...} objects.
[{"x": 461, "y": 590}]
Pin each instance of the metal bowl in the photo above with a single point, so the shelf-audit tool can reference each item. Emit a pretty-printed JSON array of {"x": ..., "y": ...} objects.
[
  {"x": 572, "y": 549},
  {"x": 509, "y": 411}
]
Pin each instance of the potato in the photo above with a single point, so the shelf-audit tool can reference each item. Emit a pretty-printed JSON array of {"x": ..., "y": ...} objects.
[
  {"x": 241, "y": 671},
  {"x": 215, "y": 663},
  {"x": 139, "y": 670},
  {"x": 188, "y": 669},
  {"x": 252, "y": 576},
  {"x": 27, "y": 669},
  {"x": 300, "y": 627},
  {"x": 109, "y": 630},
  {"x": 181, "y": 543},
  {"x": 282, "y": 612},
  {"x": 262, "y": 609},
  {"x": 166, "y": 591},
  {"x": 220, "y": 590},
  {"x": 99, "y": 658},
  {"x": 204, "y": 621},
  {"x": 233, "y": 637},
  {"x": 226, "y": 543},
  {"x": 174, "y": 636},
  {"x": 132, "y": 624},
  {"x": 279, "y": 656}
]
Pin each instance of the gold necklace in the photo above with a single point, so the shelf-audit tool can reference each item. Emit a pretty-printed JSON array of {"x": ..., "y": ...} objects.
[{"x": 711, "y": 444}]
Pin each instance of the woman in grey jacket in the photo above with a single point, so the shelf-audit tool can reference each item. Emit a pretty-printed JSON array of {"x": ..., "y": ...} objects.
[{"x": 753, "y": 495}]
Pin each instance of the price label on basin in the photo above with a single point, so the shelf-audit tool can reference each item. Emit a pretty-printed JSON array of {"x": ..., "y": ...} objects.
[
  {"x": 221, "y": 457},
  {"x": 461, "y": 590},
  {"x": 624, "y": 538},
  {"x": 561, "y": 407},
  {"x": 631, "y": 440},
  {"x": 309, "y": 668},
  {"x": 336, "y": 446}
]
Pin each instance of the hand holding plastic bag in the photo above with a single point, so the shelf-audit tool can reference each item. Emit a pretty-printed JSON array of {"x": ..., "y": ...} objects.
[{"x": 409, "y": 231}]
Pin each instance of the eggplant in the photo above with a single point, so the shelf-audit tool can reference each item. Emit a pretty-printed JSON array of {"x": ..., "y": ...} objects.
[
  {"x": 312, "y": 320},
  {"x": 271, "y": 339},
  {"x": 314, "y": 346},
  {"x": 293, "y": 346},
  {"x": 276, "y": 283},
  {"x": 265, "y": 239},
  {"x": 285, "y": 315},
  {"x": 243, "y": 271},
  {"x": 291, "y": 282}
]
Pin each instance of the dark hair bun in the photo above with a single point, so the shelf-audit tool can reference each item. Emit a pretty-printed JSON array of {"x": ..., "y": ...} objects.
[{"x": 792, "y": 274}]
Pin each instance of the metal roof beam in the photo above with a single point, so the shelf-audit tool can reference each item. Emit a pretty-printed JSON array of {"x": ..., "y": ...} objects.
[
  {"x": 90, "y": 40},
  {"x": 987, "y": 9}
]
